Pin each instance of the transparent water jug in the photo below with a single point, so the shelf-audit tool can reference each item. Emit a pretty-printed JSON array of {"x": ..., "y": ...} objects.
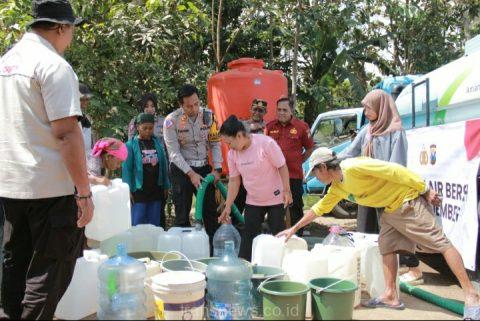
[
  {"x": 194, "y": 240},
  {"x": 338, "y": 237},
  {"x": 144, "y": 238},
  {"x": 81, "y": 298},
  {"x": 226, "y": 232},
  {"x": 229, "y": 287},
  {"x": 122, "y": 288},
  {"x": 112, "y": 211},
  {"x": 140, "y": 238},
  {"x": 268, "y": 250},
  {"x": 168, "y": 242}
]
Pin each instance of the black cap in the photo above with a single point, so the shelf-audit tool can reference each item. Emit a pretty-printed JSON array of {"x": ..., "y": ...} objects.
[
  {"x": 84, "y": 91},
  {"x": 145, "y": 118},
  {"x": 56, "y": 11}
]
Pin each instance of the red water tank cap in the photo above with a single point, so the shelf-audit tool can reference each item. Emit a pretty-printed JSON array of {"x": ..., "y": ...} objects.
[{"x": 247, "y": 63}]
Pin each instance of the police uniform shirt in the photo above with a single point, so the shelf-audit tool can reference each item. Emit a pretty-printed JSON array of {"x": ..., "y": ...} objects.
[
  {"x": 188, "y": 141},
  {"x": 37, "y": 87}
]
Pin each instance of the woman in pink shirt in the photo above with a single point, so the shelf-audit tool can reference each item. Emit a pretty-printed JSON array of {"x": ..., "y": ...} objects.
[{"x": 258, "y": 161}]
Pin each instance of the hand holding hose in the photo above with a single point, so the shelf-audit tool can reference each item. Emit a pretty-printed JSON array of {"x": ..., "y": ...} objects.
[{"x": 224, "y": 218}]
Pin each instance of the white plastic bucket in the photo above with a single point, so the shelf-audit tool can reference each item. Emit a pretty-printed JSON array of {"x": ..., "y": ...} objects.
[{"x": 179, "y": 295}]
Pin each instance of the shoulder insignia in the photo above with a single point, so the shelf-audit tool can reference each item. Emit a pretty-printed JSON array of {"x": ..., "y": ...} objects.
[{"x": 168, "y": 123}]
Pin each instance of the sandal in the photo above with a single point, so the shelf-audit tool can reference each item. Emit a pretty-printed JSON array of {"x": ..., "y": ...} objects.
[
  {"x": 377, "y": 303},
  {"x": 411, "y": 279}
]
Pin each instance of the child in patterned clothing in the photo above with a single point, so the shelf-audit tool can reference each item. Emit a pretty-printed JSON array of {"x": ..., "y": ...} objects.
[{"x": 146, "y": 172}]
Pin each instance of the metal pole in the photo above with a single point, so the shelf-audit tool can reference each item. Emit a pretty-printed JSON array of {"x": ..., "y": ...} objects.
[
  {"x": 413, "y": 105},
  {"x": 428, "y": 101}
]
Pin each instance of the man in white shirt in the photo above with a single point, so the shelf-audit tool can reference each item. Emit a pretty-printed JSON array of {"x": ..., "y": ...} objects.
[{"x": 44, "y": 184}]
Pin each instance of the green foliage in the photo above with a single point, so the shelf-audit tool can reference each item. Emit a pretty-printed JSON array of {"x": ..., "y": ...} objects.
[{"x": 127, "y": 48}]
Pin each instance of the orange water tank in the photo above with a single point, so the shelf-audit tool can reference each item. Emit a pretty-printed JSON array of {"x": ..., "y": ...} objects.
[{"x": 231, "y": 92}]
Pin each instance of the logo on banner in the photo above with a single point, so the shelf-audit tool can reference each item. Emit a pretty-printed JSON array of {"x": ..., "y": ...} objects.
[{"x": 428, "y": 155}]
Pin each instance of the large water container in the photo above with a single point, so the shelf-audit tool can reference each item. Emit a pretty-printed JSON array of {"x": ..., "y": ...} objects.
[
  {"x": 229, "y": 287},
  {"x": 371, "y": 264},
  {"x": 81, "y": 298},
  {"x": 231, "y": 92},
  {"x": 302, "y": 266},
  {"x": 122, "y": 288},
  {"x": 268, "y": 250},
  {"x": 226, "y": 232},
  {"x": 112, "y": 211},
  {"x": 194, "y": 240},
  {"x": 343, "y": 263},
  {"x": 144, "y": 238},
  {"x": 168, "y": 242},
  {"x": 140, "y": 238}
]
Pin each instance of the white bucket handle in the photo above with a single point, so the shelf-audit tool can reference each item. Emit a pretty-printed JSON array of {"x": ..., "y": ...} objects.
[
  {"x": 183, "y": 256},
  {"x": 318, "y": 291},
  {"x": 270, "y": 278}
]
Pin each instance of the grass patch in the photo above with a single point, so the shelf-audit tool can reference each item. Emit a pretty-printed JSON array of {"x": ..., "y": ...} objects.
[{"x": 309, "y": 200}]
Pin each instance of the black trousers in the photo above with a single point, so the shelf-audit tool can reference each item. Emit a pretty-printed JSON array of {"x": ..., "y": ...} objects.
[
  {"x": 41, "y": 244},
  {"x": 183, "y": 191},
  {"x": 254, "y": 217},
  {"x": 367, "y": 222},
  {"x": 296, "y": 209},
  {"x": 240, "y": 200}
]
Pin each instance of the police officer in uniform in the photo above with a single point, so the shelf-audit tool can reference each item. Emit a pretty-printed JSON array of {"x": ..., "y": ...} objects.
[{"x": 189, "y": 133}]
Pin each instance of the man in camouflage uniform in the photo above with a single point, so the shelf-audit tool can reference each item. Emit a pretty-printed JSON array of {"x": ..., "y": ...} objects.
[
  {"x": 256, "y": 124},
  {"x": 190, "y": 133}
]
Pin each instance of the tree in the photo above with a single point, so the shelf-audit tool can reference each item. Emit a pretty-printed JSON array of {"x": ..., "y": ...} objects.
[{"x": 130, "y": 47}]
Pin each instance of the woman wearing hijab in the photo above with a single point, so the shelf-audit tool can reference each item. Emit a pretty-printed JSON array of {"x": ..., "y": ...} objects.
[{"x": 383, "y": 138}]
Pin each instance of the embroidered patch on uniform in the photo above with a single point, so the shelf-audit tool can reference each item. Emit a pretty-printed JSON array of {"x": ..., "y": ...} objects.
[
  {"x": 168, "y": 123},
  {"x": 352, "y": 198},
  {"x": 293, "y": 131},
  {"x": 274, "y": 131},
  {"x": 276, "y": 193}
]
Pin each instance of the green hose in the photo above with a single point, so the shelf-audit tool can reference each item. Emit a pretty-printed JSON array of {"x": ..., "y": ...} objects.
[
  {"x": 448, "y": 304},
  {"x": 201, "y": 195}
]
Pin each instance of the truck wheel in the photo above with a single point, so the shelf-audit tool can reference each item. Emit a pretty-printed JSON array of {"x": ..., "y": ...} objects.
[{"x": 345, "y": 210}]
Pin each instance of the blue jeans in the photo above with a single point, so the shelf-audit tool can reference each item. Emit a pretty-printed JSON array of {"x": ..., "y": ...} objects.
[{"x": 146, "y": 213}]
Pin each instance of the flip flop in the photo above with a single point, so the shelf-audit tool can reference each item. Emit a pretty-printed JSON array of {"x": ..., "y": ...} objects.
[
  {"x": 412, "y": 280},
  {"x": 377, "y": 303},
  {"x": 471, "y": 313}
]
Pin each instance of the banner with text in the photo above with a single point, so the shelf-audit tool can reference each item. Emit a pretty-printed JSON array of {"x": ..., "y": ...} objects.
[{"x": 447, "y": 157}]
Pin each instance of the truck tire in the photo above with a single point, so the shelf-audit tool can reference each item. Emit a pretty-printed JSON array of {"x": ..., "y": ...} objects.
[{"x": 345, "y": 210}]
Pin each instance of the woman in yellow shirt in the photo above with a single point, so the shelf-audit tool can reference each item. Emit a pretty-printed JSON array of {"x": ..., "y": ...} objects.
[{"x": 407, "y": 220}]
